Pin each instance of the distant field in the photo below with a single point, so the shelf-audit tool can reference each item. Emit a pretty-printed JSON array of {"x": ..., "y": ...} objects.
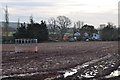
[
  {"x": 9, "y": 34},
  {"x": 65, "y": 45}
]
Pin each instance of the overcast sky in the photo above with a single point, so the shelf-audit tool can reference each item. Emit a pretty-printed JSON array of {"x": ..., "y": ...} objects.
[{"x": 94, "y": 12}]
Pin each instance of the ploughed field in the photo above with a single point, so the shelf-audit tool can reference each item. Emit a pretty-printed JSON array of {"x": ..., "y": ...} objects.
[{"x": 63, "y": 61}]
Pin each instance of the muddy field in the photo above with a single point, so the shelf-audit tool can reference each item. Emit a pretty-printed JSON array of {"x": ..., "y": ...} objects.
[{"x": 62, "y": 61}]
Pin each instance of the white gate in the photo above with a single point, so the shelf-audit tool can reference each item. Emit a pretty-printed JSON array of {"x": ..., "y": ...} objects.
[{"x": 26, "y": 45}]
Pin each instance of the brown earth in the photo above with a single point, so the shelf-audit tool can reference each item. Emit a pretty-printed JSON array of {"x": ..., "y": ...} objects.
[{"x": 52, "y": 58}]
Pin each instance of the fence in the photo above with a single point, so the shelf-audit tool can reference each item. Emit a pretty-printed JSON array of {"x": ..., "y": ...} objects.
[{"x": 26, "y": 45}]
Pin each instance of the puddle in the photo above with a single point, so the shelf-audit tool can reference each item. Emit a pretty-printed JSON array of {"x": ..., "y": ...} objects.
[
  {"x": 87, "y": 76},
  {"x": 114, "y": 74},
  {"x": 20, "y": 75},
  {"x": 74, "y": 70},
  {"x": 69, "y": 73}
]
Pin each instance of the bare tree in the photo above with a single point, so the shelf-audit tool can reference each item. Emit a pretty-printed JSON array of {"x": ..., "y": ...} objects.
[
  {"x": 111, "y": 25},
  {"x": 74, "y": 28},
  {"x": 6, "y": 23},
  {"x": 31, "y": 20},
  {"x": 79, "y": 24},
  {"x": 52, "y": 25},
  {"x": 62, "y": 23},
  {"x": 18, "y": 23}
]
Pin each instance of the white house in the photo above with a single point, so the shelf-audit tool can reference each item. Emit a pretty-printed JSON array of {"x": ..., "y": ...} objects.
[
  {"x": 76, "y": 35},
  {"x": 95, "y": 36}
]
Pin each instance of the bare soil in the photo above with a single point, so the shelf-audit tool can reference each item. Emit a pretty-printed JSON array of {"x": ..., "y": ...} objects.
[{"x": 52, "y": 59}]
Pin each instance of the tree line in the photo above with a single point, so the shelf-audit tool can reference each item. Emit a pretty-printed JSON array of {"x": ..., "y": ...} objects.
[
  {"x": 58, "y": 28},
  {"x": 60, "y": 25},
  {"x": 32, "y": 31}
]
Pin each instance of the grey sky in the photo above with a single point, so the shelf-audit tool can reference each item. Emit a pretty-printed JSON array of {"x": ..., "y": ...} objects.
[{"x": 93, "y": 12}]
